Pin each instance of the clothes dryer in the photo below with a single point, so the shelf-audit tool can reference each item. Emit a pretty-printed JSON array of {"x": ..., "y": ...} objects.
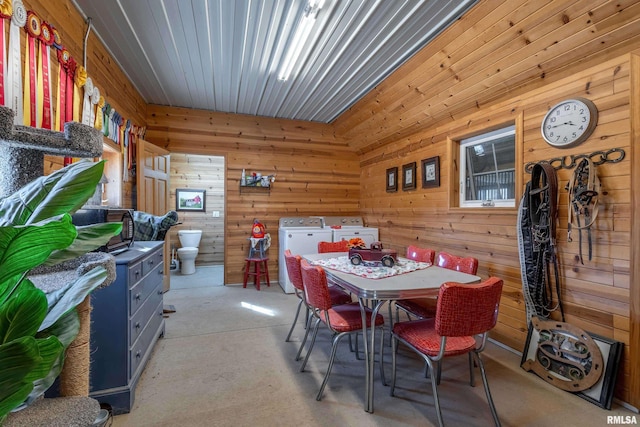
[
  {"x": 301, "y": 236},
  {"x": 349, "y": 227}
]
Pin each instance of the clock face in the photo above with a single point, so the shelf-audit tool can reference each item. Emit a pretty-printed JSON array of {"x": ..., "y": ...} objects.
[{"x": 569, "y": 122}]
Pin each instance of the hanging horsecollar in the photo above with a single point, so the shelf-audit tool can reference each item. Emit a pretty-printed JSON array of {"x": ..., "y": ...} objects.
[{"x": 613, "y": 155}]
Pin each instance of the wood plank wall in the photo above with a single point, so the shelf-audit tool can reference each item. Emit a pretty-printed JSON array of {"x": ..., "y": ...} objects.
[
  {"x": 507, "y": 62},
  {"x": 316, "y": 173},
  {"x": 105, "y": 73}
]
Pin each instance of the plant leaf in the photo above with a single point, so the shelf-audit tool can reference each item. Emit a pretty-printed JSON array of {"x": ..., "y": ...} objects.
[
  {"x": 18, "y": 358},
  {"x": 66, "y": 330},
  {"x": 90, "y": 238},
  {"x": 23, "y": 313},
  {"x": 63, "y": 191},
  {"x": 67, "y": 298},
  {"x": 25, "y": 247}
]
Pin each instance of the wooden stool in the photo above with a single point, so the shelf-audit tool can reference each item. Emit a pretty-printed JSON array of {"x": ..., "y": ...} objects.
[{"x": 260, "y": 268}]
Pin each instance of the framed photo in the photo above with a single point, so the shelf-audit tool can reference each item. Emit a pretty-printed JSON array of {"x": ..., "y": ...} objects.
[
  {"x": 392, "y": 180},
  {"x": 431, "y": 172},
  {"x": 190, "y": 200},
  {"x": 601, "y": 393},
  {"x": 409, "y": 176}
]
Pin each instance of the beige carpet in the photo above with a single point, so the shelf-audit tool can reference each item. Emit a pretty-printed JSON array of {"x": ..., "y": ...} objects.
[{"x": 224, "y": 362}]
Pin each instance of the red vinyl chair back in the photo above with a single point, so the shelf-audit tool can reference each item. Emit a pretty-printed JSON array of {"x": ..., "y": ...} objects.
[
  {"x": 325, "y": 247},
  {"x": 417, "y": 253},
  {"x": 467, "y": 310},
  {"x": 316, "y": 289},
  {"x": 293, "y": 269},
  {"x": 467, "y": 265}
]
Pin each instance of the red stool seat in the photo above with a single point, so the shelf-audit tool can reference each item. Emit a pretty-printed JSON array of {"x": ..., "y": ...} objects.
[{"x": 258, "y": 268}]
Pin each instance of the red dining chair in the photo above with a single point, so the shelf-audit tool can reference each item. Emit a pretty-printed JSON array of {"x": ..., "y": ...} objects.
[
  {"x": 295, "y": 275},
  {"x": 326, "y": 247},
  {"x": 343, "y": 319},
  {"x": 426, "y": 307},
  {"x": 463, "y": 313}
]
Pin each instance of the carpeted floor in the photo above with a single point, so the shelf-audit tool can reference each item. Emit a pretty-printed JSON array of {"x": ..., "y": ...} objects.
[{"x": 224, "y": 362}]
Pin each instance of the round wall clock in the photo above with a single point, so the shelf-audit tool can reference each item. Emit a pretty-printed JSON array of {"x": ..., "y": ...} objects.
[{"x": 569, "y": 122}]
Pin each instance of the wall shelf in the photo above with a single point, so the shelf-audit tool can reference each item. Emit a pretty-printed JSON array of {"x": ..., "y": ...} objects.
[{"x": 254, "y": 189}]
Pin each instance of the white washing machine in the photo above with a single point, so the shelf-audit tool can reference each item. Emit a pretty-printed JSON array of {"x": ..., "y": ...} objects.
[
  {"x": 301, "y": 236},
  {"x": 349, "y": 227}
]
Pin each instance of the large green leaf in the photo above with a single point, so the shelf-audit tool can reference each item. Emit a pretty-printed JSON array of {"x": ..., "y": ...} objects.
[
  {"x": 66, "y": 330},
  {"x": 63, "y": 191},
  {"x": 22, "y": 314},
  {"x": 90, "y": 238},
  {"x": 67, "y": 298},
  {"x": 19, "y": 357},
  {"x": 25, "y": 247}
]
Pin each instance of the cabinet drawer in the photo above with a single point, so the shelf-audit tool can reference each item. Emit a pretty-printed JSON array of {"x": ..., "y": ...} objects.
[
  {"x": 144, "y": 313},
  {"x": 151, "y": 262},
  {"x": 135, "y": 273},
  {"x": 143, "y": 344},
  {"x": 141, "y": 291}
]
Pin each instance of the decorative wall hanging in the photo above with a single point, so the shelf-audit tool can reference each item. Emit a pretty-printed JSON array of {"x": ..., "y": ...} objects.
[
  {"x": 409, "y": 176},
  {"x": 392, "y": 180},
  {"x": 573, "y": 360},
  {"x": 583, "y": 190},
  {"x": 13, "y": 84},
  {"x": 190, "y": 200},
  {"x": 431, "y": 172}
]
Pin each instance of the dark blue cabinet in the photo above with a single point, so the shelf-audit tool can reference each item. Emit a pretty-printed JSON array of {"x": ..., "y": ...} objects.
[{"x": 126, "y": 321}]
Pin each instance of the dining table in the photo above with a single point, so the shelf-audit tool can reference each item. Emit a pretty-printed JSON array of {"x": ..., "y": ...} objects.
[{"x": 424, "y": 281}]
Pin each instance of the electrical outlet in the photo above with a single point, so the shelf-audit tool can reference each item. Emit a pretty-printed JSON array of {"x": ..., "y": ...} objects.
[{"x": 216, "y": 214}]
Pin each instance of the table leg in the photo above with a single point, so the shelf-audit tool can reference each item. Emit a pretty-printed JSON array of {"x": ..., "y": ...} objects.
[
  {"x": 368, "y": 361},
  {"x": 372, "y": 359}
]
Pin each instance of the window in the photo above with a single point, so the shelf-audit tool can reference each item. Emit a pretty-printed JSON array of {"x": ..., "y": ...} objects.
[{"x": 487, "y": 172}]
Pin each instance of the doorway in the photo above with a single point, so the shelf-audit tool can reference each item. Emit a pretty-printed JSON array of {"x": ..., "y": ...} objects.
[{"x": 206, "y": 173}]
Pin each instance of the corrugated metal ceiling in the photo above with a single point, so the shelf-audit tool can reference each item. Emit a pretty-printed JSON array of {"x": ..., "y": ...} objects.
[{"x": 224, "y": 55}]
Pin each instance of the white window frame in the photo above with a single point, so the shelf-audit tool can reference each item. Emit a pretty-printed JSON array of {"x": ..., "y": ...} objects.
[{"x": 478, "y": 139}]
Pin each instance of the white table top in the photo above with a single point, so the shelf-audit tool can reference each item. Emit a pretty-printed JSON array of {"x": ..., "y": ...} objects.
[{"x": 415, "y": 284}]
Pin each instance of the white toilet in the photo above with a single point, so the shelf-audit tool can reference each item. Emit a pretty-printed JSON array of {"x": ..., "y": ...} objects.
[{"x": 190, "y": 240}]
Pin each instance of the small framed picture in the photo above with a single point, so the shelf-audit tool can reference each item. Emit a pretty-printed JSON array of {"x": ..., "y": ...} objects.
[
  {"x": 190, "y": 200},
  {"x": 392, "y": 180},
  {"x": 431, "y": 172},
  {"x": 409, "y": 176}
]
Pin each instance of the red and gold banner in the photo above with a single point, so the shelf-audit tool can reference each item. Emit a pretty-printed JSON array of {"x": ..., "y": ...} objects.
[
  {"x": 30, "y": 75},
  {"x": 44, "y": 76}
]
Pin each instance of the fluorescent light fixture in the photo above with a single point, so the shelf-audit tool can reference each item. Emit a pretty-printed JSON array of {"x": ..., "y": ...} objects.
[{"x": 300, "y": 37}]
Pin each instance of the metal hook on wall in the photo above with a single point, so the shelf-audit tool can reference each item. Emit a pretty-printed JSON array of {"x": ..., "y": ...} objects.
[{"x": 86, "y": 36}]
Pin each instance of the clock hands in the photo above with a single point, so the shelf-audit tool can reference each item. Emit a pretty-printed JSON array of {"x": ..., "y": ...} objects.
[{"x": 565, "y": 123}]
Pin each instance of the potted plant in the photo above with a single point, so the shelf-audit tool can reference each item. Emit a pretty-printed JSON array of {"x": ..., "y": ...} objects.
[{"x": 36, "y": 229}]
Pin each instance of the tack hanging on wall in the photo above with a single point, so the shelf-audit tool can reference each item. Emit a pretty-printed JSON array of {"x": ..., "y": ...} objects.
[{"x": 614, "y": 155}]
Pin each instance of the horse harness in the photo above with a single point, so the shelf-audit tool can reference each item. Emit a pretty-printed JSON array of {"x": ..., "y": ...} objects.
[
  {"x": 583, "y": 189},
  {"x": 538, "y": 218}
]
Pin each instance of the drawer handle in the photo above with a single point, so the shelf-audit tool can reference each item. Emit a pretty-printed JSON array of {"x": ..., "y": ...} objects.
[
  {"x": 160, "y": 292},
  {"x": 138, "y": 296},
  {"x": 137, "y": 273},
  {"x": 138, "y": 354},
  {"x": 151, "y": 261},
  {"x": 137, "y": 325},
  {"x": 161, "y": 313}
]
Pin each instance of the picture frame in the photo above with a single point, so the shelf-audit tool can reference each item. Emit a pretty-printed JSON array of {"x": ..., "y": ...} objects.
[
  {"x": 431, "y": 172},
  {"x": 188, "y": 199},
  {"x": 392, "y": 180},
  {"x": 601, "y": 393},
  {"x": 409, "y": 176}
]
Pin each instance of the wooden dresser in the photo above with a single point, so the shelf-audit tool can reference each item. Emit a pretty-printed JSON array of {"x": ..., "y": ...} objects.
[{"x": 126, "y": 322}]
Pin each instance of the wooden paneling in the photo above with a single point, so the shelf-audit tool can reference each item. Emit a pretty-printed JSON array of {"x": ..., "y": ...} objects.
[
  {"x": 316, "y": 174},
  {"x": 509, "y": 62}
]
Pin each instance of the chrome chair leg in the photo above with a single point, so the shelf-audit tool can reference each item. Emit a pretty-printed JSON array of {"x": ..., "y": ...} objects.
[
  {"x": 304, "y": 340},
  {"x": 394, "y": 348},
  {"x": 313, "y": 341},
  {"x": 334, "y": 348},
  {"x": 382, "y": 376},
  {"x": 494, "y": 413},
  {"x": 434, "y": 387},
  {"x": 472, "y": 379},
  {"x": 295, "y": 320}
]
